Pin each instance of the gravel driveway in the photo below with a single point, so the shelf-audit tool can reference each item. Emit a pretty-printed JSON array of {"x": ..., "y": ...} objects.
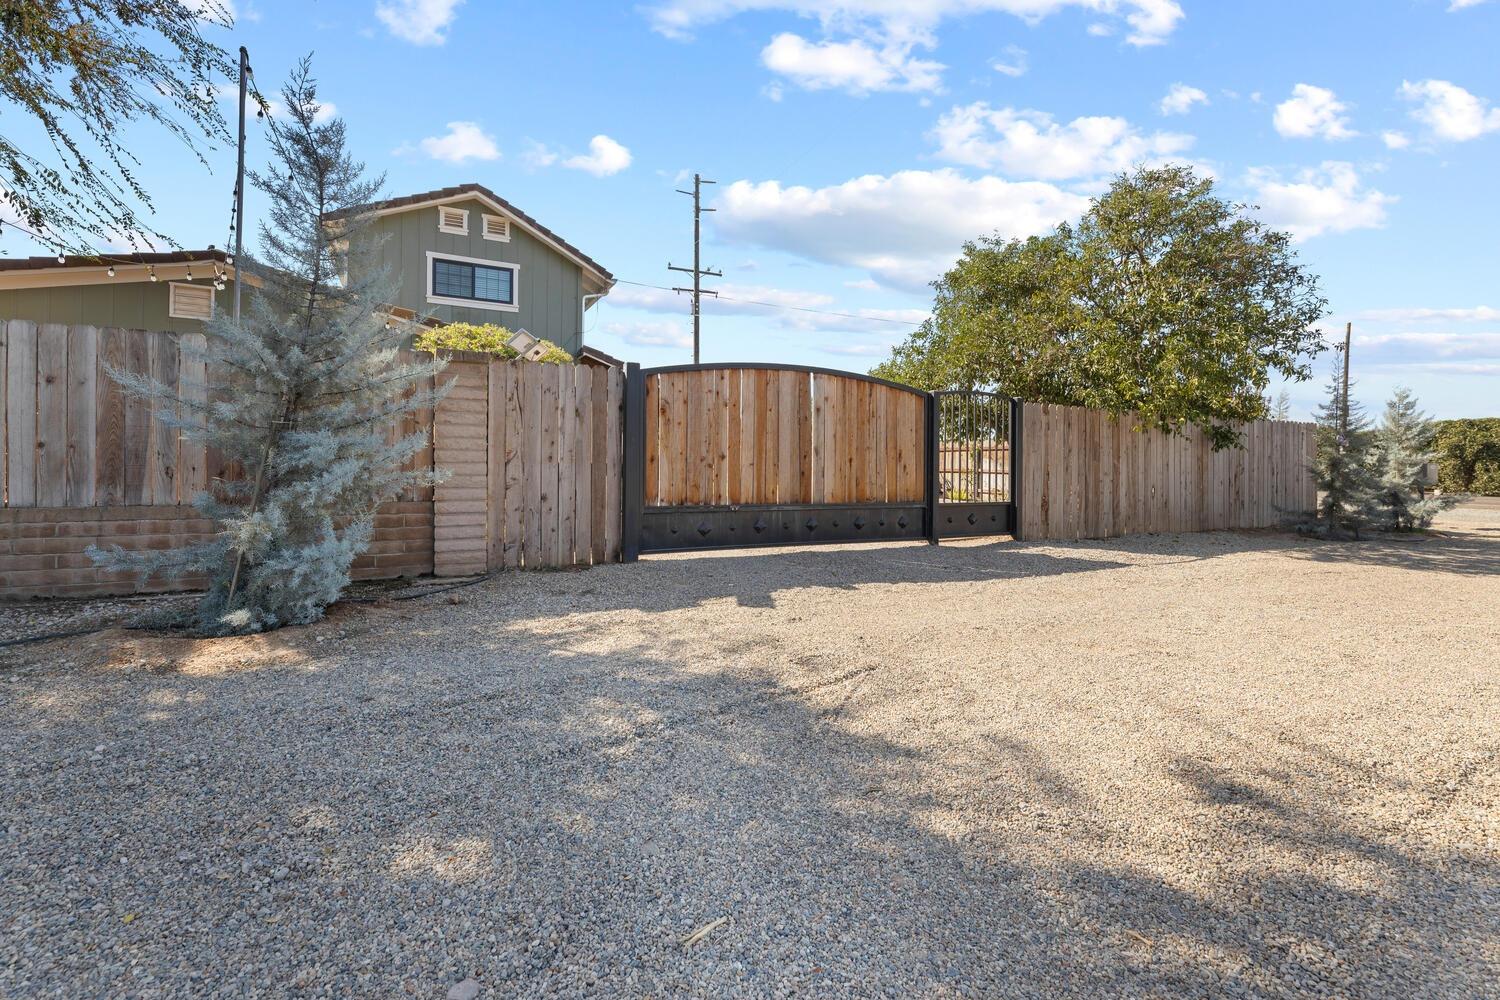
[{"x": 1180, "y": 765}]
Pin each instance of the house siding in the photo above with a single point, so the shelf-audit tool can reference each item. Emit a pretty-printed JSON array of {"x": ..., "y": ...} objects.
[
  {"x": 549, "y": 287},
  {"x": 131, "y": 305}
]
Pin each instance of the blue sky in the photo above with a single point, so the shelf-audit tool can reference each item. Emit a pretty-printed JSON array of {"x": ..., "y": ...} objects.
[{"x": 857, "y": 143}]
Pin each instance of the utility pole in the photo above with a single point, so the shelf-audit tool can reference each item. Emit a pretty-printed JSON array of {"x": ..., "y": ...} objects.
[
  {"x": 696, "y": 270},
  {"x": 1344, "y": 405},
  {"x": 239, "y": 189}
]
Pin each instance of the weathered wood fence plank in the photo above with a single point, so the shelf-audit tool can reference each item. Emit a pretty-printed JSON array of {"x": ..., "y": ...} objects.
[{"x": 1088, "y": 475}]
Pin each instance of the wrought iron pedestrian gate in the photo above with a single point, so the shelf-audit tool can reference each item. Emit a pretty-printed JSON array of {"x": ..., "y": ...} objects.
[{"x": 731, "y": 455}]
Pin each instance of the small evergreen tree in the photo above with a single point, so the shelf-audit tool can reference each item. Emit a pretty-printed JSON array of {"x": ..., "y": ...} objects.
[
  {"x": 1403, "y": 446},
  {"x": 1349, "y": 491},
  {"x": 1282, "y": 408},
  {"x": 302, "y": 395}
]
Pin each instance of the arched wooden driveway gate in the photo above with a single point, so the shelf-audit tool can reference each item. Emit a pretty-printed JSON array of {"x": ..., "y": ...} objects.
[{"x": 730, "y": 455}]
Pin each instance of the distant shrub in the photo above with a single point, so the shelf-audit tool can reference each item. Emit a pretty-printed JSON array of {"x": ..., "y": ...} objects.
[
  {"x": 1468, "y": 454},
  {"x": 483, "y": 338}
]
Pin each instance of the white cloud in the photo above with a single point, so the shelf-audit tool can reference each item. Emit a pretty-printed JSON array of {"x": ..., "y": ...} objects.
[
  {"x": 1464, "y": 4},
  {"x": 1449, "y": 111},
  {"x": 868, "y": 45},
  {"x": 1461, "y": 314},
  {"x": 465, "y": 141},
  {"x": 1149, "y": 22},
  {"x": 1013, "y": 64},
  {"x": 659, "y": 333},
  {"x": 605, "y": 157},
  {"x": 421, "y": 22},
  {"x": 1031, "y": 144},
  {"x": 789, "y": 308},
  {"x": 1325, "y": 199},
  {"x": 905, "y": 229},
  {"x": 854, "y": 66},
  {"x": 1181, "y": 98},
  {"x": 1312, "y": 112},
  {"x": 1394, "y": 139}
]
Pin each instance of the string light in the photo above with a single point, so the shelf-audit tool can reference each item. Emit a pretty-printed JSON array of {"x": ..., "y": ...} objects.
[
  {"x": 151, "y": 271},
  {"x": 190, "y": 272},
  {"x": 111, "y": 271},
  {"x": 61, "y": 259}
]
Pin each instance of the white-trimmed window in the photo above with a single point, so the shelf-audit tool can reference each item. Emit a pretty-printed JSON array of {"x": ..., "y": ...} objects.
[
  {"x": 472, "y": 282},
  {"x": 186, "y": 301},
  {"x": 496, "y": 227},
  {"x": 453, "y": 220}
]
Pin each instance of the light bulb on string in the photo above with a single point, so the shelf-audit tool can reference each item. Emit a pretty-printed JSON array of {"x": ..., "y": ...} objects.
[
  {"x": 61, "y": 259},
  {"x": 189, "y": 275},
  {"x": 151, "y": 272},
  {"x": 111, "y": 271}
]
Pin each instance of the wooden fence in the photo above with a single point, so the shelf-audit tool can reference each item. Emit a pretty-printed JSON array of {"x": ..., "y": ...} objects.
[
  {"x": 73, "y": 438},
  {"x": 534, "y": 451},
  {"x": 535, "y": 456},
  {"x": 754, "y": 435},
  {"x": 1086, "y": 475}
]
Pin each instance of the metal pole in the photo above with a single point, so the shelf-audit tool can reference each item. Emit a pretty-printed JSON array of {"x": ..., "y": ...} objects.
[
  {"x": 1344, "y": 403},
  {"x": 697, "y": 263},
  {"x": 633, "y": 487},
  {"x": 239, "y": 186},
  {"x": 932, "y": 468}
]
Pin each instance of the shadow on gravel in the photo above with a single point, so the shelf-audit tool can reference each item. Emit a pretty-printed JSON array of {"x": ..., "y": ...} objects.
[
  {"x": 554, "y": 820},
  {"x": 1438, "y": 552},
  {"x": 753, "y": 577}
]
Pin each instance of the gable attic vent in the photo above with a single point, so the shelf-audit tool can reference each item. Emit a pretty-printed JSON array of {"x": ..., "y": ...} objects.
[
  {"x": 453, "y": 220},
  {"x": 190, "y": 301},
  {"x": 497, "y": 227}
]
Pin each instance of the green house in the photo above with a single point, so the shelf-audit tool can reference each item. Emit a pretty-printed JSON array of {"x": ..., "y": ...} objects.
[{"x": 461, "y": 254}]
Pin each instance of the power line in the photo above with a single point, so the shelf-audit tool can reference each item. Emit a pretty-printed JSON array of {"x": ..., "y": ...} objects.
[
  {"x": 775, "y": 305},
  {"x": 697, "y": 270}
]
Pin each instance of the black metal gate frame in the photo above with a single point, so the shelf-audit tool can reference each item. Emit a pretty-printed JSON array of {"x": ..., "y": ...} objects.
[{"x": 681, "y": 528}]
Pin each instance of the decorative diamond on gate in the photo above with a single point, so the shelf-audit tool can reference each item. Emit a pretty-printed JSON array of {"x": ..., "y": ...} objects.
[
  {"x": 859, "y": 522},
  {"x": 703, "y": 528},
  {"x": 812, "y": 523},
  {"x": 973, "y": 518},
  {"x": 901, "y": 521},
  {"x": 760, "y": 525}
]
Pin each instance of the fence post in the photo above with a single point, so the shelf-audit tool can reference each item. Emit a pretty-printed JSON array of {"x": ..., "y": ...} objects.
[
  {"x": 633, "y": 475},
  {"x": 1017, "y": 408},
  {"x": 932, "y": 468}
]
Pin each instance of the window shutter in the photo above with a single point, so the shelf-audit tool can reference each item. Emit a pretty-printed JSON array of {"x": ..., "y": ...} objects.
[{"x": 190, "y": 301}]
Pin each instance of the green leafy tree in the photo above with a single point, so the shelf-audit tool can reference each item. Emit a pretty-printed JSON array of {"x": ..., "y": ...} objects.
[
  {"x": 1349, "y": 494},
  {"x": 1403, "y": 447},
  {"x": 1164, "y": 299},
  {"x": 1469, "y": 455},
  {"x": 302, "y": 394},
  {"x": 82, "y": 70}
]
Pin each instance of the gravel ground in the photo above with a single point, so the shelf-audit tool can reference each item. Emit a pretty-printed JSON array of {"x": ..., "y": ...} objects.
[{"x": 1199, "y": 765}]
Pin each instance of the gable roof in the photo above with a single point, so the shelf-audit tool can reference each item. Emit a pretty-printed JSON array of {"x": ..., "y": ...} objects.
[{"x": 460, "y": 192}]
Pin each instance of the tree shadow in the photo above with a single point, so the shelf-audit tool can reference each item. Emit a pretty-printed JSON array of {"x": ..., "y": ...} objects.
[
  {"x": 753, "y": 577},
  {"x": 1431, "y": 551},
  {"x": 555, "y": 818}
]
